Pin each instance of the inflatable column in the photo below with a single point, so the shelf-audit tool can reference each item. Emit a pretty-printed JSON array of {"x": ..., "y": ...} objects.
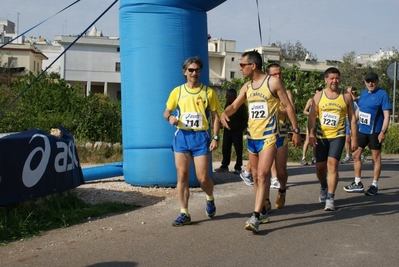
[{"x": 156, "y": 36}]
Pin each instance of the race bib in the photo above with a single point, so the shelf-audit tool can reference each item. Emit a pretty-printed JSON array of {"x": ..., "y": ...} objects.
[
  {"x": 192, "y": 120},
  {"x": 364, "y": 118},
  {"x": 258, "y": 111},
  {"x": 330, "y": 119}
]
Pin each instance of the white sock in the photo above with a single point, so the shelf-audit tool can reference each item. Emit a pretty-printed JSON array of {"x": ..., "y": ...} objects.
[
  {"x": 274, "y": 179},
  {"x": 358, "y": 180},
  {"x": 375, "y": 183},
  {"x": 247, "y": 173}
]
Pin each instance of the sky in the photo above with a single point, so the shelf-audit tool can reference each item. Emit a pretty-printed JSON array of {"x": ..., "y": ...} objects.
[{"x": 328, "y": 29}]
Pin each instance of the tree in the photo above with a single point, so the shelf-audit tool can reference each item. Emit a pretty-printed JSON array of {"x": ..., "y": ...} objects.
[
  {"x": 295, "y": 51},
  {"x": 352, "y": 73}
]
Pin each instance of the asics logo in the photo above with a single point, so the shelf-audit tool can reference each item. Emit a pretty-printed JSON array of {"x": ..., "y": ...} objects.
[{"x": 31, "y": 174}]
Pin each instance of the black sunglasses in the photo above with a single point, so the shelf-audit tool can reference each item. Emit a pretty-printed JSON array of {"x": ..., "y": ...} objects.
[
  {"x": 242, "y": 65},
  {"x": 192, "y": 70},
  {"x": 370, "y": 81}
]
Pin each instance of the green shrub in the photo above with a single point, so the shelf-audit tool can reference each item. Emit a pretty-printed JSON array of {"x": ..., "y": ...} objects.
[{"x": 391, "y": 142}]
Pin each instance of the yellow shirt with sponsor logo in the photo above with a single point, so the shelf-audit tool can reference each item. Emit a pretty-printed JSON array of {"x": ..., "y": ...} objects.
[
  {"x": 193, "y": 106},
  {"x": 331, "y": 115},
  {"x": 262, "y": 111}
]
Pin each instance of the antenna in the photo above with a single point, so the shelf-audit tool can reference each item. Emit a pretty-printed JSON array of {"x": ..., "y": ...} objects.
[{"x": 270, "y": 30}]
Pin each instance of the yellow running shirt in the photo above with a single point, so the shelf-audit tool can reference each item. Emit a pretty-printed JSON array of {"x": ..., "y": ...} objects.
[
  {"x": 262, "y": 111},
  {"x": 193, "y": 106},
  {"x": 331, "y": 115}
]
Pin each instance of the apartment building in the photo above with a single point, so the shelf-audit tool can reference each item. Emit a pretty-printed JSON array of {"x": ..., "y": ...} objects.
[{"x": 18, "y": 57}]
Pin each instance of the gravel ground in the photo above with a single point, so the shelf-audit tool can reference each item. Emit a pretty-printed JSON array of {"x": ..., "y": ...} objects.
[{"x": 116, "y": 189}]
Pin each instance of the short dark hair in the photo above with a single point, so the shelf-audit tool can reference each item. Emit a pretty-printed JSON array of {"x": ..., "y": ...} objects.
[
  {"x": 273, "y": 65},
  {"x": 331, "y": 70},
  {"x": 231, "y": 92},
  {"x": 190, "y": 60},
  {"x": 318, "y": 89},
  {"x": 254, "y": 57}
]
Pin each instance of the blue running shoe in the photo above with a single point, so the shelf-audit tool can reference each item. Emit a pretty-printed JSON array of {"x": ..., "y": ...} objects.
[
  {"x": 353, "y": 187},
  {"x": 210, "y": 208},
  {"x": 372, "y": 191},
  {"x": 183, "y": 219}
]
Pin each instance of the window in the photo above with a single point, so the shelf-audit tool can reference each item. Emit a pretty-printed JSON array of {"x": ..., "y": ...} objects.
[
  {"x": 232, "y": 59},
  {"x": 118, "y": 49},
  {"x": 12, "y": 62},
  {"x": 232, "y": 74},
  {"x": 34, "y": 65},
  {"x": 118, "y": 67}
]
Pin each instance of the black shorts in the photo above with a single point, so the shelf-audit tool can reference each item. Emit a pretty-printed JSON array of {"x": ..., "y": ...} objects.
[
  {"x": 329, "y": 148},
  {"x": 368, "y": 139}
]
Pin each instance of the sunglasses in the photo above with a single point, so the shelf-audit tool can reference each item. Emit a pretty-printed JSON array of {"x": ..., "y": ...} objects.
[
  {"x": 370, "y": 81},
  {"x": 242, "y": 65},
  {"x": 192, "y": 70},
  {"x": 275, "y": 74}
]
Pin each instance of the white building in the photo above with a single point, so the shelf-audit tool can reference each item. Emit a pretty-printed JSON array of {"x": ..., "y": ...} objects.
[
  {"x": 93, "y": 62},
  {"x": 371, "y": 59}
]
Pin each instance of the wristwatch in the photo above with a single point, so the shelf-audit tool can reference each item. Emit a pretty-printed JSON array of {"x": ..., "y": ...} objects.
[
  {"x": 216, "y": 138},
  {"x": 297, "y": 130}
]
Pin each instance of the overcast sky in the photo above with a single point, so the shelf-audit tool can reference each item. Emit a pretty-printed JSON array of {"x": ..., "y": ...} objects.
[{"x": 328, "y": 29}]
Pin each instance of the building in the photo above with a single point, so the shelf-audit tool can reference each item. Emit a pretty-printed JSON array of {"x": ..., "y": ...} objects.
[
  {"x": 93, "y": 61},
  {"x": 18, "y": 57}
]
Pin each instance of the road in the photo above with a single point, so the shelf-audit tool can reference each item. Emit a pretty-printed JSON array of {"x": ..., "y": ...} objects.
[{"x": 361, "y": 232}]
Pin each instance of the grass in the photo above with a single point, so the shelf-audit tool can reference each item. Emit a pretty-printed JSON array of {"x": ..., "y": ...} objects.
[{"x": 24, "y": 220}]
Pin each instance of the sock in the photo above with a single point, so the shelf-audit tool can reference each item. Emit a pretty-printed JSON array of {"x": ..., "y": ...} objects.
[
  {"x": 185, "y": 211},
  {"x": 247, "y": 173},
  {"x": 303, "y": 158},
  {"x": 347, "y": 155},
  {"x": 375, "y": 183},
  {"x": 282, "y": 191},
  {"x": 209, "y": 198},
  {"x": 323, "y": 185},
  {"x": 264, "y": 210},
  {"x": 358, "y": 180},
  {"x": 274, "y": 179},
  {"x": 329, "y": 196},
  {"x": 256, "y": 214}
]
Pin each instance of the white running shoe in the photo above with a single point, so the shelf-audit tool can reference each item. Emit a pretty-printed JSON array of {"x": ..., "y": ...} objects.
[{"x": 274, "y": 183}]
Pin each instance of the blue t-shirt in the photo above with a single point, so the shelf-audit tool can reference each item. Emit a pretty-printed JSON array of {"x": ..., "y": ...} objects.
[{"x": 371, "y": 110}]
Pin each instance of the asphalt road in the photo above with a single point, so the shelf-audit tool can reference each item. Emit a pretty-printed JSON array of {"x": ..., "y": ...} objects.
[{"x": 363, "y": 231}]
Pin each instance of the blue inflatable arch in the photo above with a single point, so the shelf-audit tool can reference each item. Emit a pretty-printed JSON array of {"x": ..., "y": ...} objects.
[{"x": 156, "y": 36}]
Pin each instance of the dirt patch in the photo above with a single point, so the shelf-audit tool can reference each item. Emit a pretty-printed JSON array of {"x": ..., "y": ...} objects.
[{"x": 116, "y": 189}]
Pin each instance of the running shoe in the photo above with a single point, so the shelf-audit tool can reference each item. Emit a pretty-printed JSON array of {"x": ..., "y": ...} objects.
[
  {"x": 280, "y": 202},
  {"x": 210, "y": 208},
  {"x": 346, "y": 160},
  {"x": 304, "y": 162},
  {"x": 329, "y": 205},
  {"x": 274, "y": 183},
  {"x": 264, "y": 218},
  {"x": 372, "y": 191},
  {"x": 323, "y": 195},
  {"x": 183, "y": 219},
  {"x": 363, "y": 158},
  {"x": 237, "y": 171},
  {"x": 252, "y": 224},
  {"x": 353, "y": 187},
  {"x": 222, "y": 169},
  {"x": 313, "y": 161},
  {"x": 247, "y": 178},
  {"x": 268, "y": 206}
]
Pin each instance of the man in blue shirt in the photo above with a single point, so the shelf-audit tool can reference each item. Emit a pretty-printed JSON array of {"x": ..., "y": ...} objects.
[{"x": 373, "y": 113}]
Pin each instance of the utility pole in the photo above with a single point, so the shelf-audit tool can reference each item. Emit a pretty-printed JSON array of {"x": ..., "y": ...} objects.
[{"x": 17, "y": 26}]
